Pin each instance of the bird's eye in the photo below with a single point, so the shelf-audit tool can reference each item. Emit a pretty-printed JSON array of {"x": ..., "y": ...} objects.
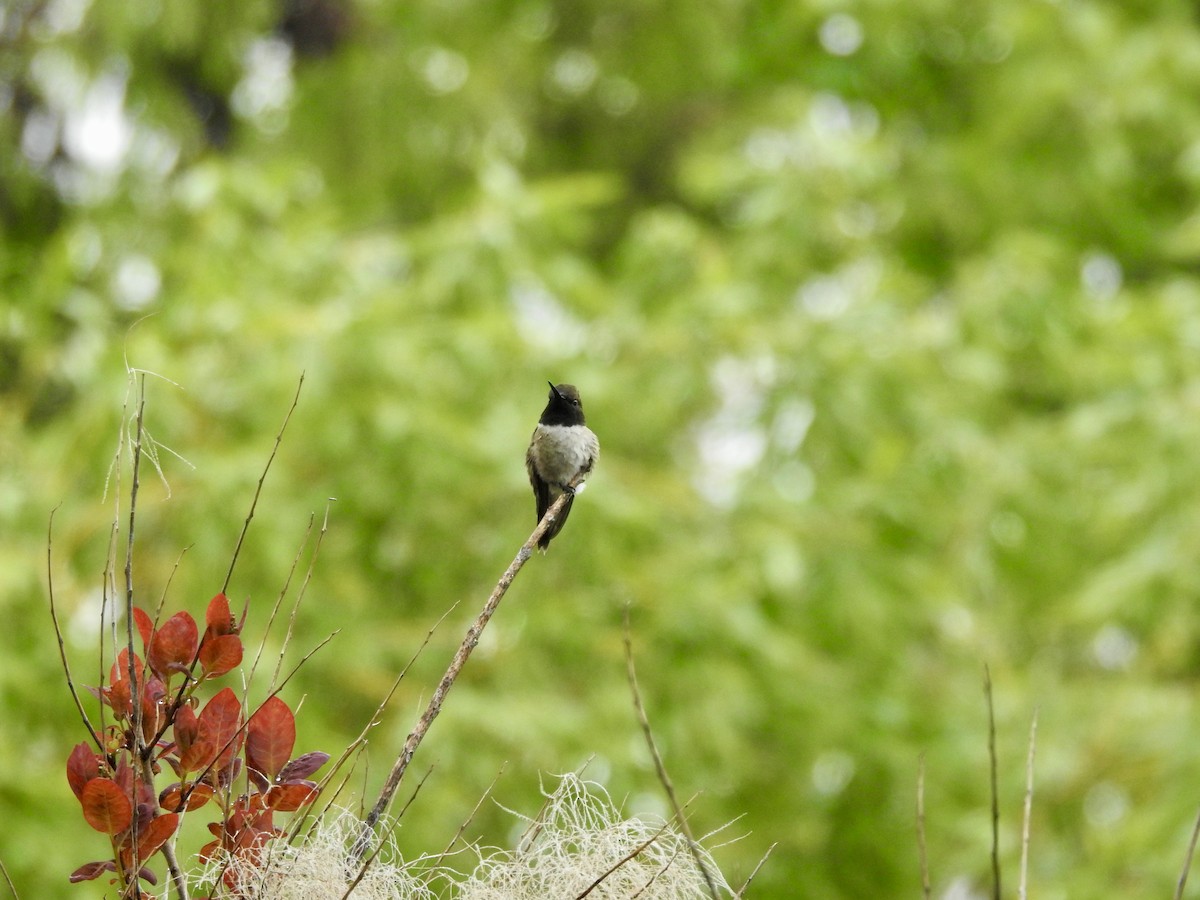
[{"x": 576, "y": 403}]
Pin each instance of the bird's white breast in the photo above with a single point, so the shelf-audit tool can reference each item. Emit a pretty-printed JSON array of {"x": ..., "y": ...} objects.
[{"x": 560, "y": 451}]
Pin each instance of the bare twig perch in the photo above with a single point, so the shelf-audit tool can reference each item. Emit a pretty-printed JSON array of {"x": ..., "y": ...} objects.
[{"x": 469, "y": 642}]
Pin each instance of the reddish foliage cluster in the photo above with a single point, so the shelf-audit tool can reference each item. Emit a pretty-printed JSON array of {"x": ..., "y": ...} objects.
[{"x": 209, "y": 750}]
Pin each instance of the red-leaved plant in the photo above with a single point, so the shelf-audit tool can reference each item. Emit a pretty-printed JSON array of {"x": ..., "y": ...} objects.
[{"x": 207, "y": 751}]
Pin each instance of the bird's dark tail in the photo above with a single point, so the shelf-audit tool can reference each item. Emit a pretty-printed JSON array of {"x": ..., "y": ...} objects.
[{"x": 556, "y": 527}]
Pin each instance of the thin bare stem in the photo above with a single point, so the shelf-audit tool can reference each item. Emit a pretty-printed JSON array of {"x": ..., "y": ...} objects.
[
  {"x": 366, "y": 864},
  {"x": 659, "y": 766},
  {"x": 470, "y": 818},
  {"x": 108, "y": 594},
  {"x": 139, "y": 738},
  {"x": 309, "y": 817},
  {"x": 657, "y": 875},
  {"x": 1187, "y": 861},
  {"x": 378, "y": 715},
  {"x": 360, "y": 742},
  {"x": 162, "y": 600},
  {"x": 312, "y": 562},
  {"x": 177, "y": 879},
  {"x": 58, "y": 634},
  {"x": 921, "y": 850},
  {"x": 469, "y": 642},
  {"x": 141, "y": 753},
  {"x": 1028, "y": 812},
  {"x": 987, "y": 690},
  {"x": 182, "y": 693},
  {"x": 7, "y": 880},
  {"x": 742, "y": 890},
  {"x": 632, "y": 854},
  {"x": 108, "y": 579},
  {"x": 258, "y": 490},
  {"x": 287, "y": 583}
]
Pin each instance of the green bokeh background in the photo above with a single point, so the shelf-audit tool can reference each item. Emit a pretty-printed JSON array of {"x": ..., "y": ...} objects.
[{"x": 887, "y": 316}]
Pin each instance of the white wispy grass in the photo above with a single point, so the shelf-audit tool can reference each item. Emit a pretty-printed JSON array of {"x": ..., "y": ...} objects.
[{"x": 579, "y": 844}]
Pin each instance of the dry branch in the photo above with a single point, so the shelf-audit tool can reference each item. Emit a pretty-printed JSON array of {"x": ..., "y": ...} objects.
[{"x": 469, "y": 642}]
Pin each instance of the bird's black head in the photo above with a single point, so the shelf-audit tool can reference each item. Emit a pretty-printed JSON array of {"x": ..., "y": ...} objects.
[{"x": 564, "y": 408}]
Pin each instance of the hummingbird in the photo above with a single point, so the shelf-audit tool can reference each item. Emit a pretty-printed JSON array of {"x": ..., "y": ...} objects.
[{"x": 562, "y": 447}]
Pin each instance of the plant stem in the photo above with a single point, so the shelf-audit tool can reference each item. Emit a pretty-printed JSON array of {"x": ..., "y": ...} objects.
[{"x": 469, "y": 642}]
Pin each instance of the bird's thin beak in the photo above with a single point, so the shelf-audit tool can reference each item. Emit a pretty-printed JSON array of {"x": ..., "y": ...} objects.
[{"x": 554, "y": 390}]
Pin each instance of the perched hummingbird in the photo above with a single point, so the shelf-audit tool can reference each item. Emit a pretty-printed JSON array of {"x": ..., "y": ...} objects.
[{"x": 561, "y": 448}]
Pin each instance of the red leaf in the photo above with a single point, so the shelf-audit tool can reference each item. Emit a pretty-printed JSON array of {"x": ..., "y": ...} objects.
[
  {"x": 145, "y": 626},
  {"x": 270, "y": 737},
  {"x": 119, "y": 695},
  {"x": 194, "y": 753},
  {"x": 105, "y": 806},
  {"x": 255, "y": 831},
  {"x": 220, "y": 721},
  {"x": 153, "y": 836},
  {"x": 89, "y": 871},
  {"x": 198, "y": 755},
  {"x": 127, "y": 861},
  {"x": 290, "y": 797},
  {"x": 82, "y": 766},
  {"x": 218, "y": 618},
  {"x": 119, "y": 698},
  {"x": 186, "y": 727},
  {"x": 221, "y": 653},
  {"x": 173, "y": 646},
  {"x": 199, "y": 793},
  {"x": 121, "y": 666},
  {"x": 303, "y": 766},
  {"x": 171, "y": 797}
]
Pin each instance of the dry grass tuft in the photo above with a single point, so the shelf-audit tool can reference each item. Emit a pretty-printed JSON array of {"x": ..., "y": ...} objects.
[
  {"x": 579, "y": 846},
  {"x": 319, "y": 866}
]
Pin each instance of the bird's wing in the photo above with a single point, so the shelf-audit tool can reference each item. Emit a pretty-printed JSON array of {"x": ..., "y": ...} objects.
[{"x": 541, "y": 490}]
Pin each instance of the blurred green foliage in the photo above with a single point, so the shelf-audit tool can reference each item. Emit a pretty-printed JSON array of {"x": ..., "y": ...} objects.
[{"x": 887, "y": 318}]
